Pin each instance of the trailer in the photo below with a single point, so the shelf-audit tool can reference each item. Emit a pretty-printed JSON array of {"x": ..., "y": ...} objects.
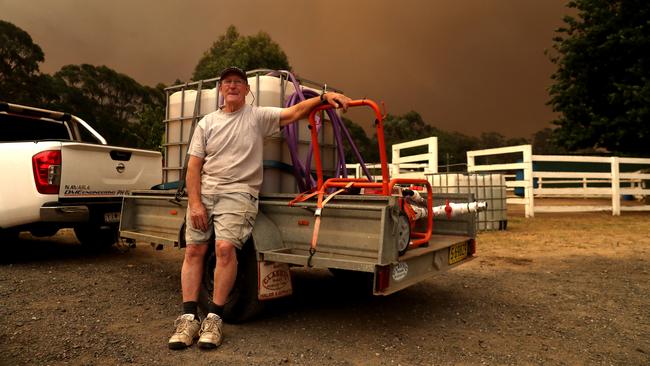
[{"x": 394, "y": 233}]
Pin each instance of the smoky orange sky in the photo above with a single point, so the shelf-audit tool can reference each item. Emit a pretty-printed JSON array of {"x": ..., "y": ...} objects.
[{"x": 469, "y": 66}]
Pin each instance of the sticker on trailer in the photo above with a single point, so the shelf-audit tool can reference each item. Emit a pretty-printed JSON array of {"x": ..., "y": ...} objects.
[
  {"x": 84, "y": 190},
  {"x": 400, "y": 271},
  {"x": 274, "y": 280}
]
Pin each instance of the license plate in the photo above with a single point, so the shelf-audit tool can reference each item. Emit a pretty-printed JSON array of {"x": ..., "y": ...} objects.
[
  {"x": 457, "y": 252},
  {"x": 111, "y": 217}
]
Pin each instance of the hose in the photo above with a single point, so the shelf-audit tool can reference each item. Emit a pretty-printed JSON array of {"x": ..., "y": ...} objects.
[{"x": 302, "y": 171}]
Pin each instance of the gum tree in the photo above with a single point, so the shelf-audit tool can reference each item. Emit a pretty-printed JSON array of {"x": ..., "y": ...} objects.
[{"x": 602, "y": 84}]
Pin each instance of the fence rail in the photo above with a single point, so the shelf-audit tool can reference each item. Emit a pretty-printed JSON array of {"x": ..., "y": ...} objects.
[
  {"x": 612, "y": 184},
  {"x": 490, "y": 188},
  {"x": 406, "y": 166}
]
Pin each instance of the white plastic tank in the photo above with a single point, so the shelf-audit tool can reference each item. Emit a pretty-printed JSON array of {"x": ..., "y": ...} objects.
[
  {"x": 265, "y": 91},
  {"x": 490, "y": 188}
]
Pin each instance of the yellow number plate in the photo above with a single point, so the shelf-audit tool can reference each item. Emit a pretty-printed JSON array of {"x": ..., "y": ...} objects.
[
  {"x": 111, "y": 217},
  {"x": 457, "y": 252}
]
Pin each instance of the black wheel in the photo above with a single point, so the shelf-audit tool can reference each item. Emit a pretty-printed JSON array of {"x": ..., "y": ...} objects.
[
  {"x": 404, "y": 234},
  {"x": 42, "y": 231},
  {"x": 8, "y": 236},
  {"x": 95, "y": 236},
  {"x": 242, "y": 303}
]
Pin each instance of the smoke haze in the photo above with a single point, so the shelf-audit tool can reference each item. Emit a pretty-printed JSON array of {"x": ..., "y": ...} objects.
[{"x": 472, "y": 66}]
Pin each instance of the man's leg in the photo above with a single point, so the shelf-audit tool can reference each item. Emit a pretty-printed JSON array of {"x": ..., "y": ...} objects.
[
  {"x": 187, "y": 325},
  {"x": 225, "y": 274},
  {"x": 226, "y": 271},
  {"x": 234, "y": 217},
  {"x": 192, "y": 271}
]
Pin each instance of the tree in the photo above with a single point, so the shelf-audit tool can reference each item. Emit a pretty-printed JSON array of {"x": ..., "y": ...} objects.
[
  {"x": 360, "y": 139},
  {"x": 123, "y": 111},
  {"x": 247, "y": 53},
  {"x": 453, "y": 147},
  {"x": 544, "y": 143},
  {"x": 148, "y": 132},
  {"x": 602, "y": 83},
  {"x": 489, "y": 140},
  {"x": 407, "y": 127},
  {"x": 19, "y": 70},
  {"x": 117, "y": 106}
]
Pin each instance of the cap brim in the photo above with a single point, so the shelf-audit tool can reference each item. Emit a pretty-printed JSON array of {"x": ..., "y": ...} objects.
[{"x": 235, "y": 71}]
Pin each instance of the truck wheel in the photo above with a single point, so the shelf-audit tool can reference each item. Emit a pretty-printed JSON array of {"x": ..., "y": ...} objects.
[
  {"x": 94, "y": 236},
  {"x": 43, "y": 231},
  {"x": 8, "y": 236},
  {"x": 242, "y": 303}
]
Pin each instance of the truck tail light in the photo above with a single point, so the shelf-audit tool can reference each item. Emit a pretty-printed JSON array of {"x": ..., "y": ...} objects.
[{"x": 47, "y": 171}]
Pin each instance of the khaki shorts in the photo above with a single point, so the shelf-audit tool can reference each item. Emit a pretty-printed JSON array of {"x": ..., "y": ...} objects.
[{"x": 230, "y": 215}]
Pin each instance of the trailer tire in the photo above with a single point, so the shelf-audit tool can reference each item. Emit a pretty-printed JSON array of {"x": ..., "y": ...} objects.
[
  {"x": 242, "y": 303},
  {"x": 96, "y": 236},
  {"x": 8, "y": 236}
]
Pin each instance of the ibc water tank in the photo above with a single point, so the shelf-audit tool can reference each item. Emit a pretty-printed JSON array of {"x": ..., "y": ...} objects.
[{"x": 264, "y": 91}]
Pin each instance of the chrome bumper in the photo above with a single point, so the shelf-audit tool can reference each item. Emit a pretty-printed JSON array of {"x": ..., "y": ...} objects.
[{"x": 64, "y": 214}]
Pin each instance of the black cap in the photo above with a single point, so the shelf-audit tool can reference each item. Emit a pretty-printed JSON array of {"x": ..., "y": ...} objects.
[{"x": 233, "y": 70}]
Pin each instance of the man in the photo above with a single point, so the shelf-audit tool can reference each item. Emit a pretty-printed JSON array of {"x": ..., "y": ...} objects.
[{"x": 224, "y": 176}]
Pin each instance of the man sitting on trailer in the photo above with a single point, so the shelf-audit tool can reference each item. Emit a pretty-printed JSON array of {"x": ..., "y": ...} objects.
[{"x": 224, "y": 176}]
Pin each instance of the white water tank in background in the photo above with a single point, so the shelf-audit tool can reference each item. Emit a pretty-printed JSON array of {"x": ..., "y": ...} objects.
[
  {"x": 490, "y": 188},
  {"x": 264, "y": 91}
]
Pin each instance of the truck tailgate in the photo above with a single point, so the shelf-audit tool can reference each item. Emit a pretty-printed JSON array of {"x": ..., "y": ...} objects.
[{"x": 90, "y": 170}]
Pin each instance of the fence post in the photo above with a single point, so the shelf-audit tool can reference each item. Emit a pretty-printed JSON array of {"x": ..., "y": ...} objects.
[
  {"x": 528, "y": 178},
  {"x": 616, "y": 187},
  {"x": 394, "y": 171},
  {"x": 433, "y": 155},
  {"x": 470, "y": 162}
]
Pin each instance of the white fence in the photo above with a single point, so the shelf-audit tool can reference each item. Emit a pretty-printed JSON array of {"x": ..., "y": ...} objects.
[
  {"x": 403, "y": 165},
  {"x": 612, "y": 184},
  {"x": 490, "y": 188}
]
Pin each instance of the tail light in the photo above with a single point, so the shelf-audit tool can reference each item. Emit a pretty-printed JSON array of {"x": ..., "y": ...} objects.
[
  {"x": 47, "y": 171},
  {"x": 383, "y": 278}
]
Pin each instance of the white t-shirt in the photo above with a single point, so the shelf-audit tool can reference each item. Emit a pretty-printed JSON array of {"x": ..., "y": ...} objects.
[{"x": 231, "y": 146}]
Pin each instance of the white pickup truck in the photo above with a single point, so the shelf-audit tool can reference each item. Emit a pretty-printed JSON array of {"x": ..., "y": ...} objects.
[{"x": 57, "y": 172}]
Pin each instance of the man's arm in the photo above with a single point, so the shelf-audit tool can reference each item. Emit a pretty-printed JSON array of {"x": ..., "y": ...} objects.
[
  {"x": 302, "y": 109},
  {"x": 198, "y": 215}
]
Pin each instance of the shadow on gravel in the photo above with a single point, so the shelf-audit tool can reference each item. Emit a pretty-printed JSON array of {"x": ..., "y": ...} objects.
[
  {"x": 29, "y": 249},
  {"x": 318, "y": 293}
]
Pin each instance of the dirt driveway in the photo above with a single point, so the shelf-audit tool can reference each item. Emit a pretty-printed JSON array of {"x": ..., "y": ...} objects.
[{"x": 556, "y": 289}]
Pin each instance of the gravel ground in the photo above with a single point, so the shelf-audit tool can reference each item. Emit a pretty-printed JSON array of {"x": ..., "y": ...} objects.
[{"x": 556, "y": 289}]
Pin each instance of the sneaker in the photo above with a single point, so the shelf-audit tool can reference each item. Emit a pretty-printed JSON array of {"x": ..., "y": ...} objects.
[
  {"x": 187, "y": 330},
  {"x": 210, "y": 335}
]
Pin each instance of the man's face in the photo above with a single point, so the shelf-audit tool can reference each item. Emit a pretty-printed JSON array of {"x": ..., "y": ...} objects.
[{"x": 234, "y": 89}]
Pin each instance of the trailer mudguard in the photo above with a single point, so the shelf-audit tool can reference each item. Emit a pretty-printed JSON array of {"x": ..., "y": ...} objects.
[{"x": 266, "y": 234}]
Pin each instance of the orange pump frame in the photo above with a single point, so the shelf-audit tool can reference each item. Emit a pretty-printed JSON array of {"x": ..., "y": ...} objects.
[{"x": 386, "y": 185}]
